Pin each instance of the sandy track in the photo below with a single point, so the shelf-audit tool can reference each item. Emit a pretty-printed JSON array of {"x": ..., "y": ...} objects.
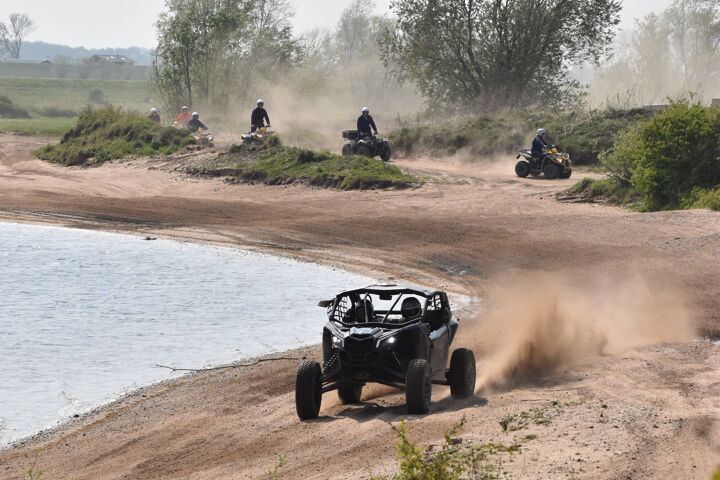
[{"x": 478, "y": 229}]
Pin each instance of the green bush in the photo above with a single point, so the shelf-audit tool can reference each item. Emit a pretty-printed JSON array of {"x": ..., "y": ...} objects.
[
  {"x": 275, "y": 164},
  {"x": 678, "y": 150},
  {"x": 452, "y": 462},
  {"x": 607, "y": 190},
  {"x": 702, "y": 198},
  {"x": 583, "y": 135},
  {"x": 10, "y": 110},
  {"x": 109, "y": 133}
]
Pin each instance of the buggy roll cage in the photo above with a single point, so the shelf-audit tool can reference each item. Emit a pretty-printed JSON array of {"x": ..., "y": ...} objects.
[{"x": 382, "y": 290}]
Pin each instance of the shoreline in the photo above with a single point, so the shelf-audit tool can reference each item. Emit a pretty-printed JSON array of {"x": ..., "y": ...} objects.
[
  {"x": 168, "y": 384},
  {"x": 477, "y": 229}
]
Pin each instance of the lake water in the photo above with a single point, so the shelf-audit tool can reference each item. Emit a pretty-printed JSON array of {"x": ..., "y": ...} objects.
[{"x": 85, "y": 316}]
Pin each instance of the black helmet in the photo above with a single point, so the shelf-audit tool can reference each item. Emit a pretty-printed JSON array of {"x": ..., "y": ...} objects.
[
  {"x": 364, "y": 311},
  {"x": 411, "y": 308}
]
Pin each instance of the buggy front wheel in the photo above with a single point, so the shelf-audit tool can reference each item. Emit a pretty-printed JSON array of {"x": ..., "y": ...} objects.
[
  {"x": 462, "y": 373},
  {"x": 418, "y": 387},
  {"x": 308, "y": 390}
]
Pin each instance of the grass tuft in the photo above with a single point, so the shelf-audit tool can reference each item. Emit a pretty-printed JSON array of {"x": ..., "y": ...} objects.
[
  {"x": 109, "y": 133},
  {"x": 606, "y": 190},
  {"x": 275, "y": 164}
]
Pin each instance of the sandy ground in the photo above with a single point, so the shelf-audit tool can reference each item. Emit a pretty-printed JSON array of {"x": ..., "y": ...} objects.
[{"x": 591, "y": 313}]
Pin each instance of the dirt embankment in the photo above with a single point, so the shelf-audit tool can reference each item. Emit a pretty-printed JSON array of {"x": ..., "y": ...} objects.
[{"x": 590, "y": 315}]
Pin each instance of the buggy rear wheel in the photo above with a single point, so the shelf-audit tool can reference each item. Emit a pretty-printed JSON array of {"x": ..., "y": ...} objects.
[
  {"x": 418, "y": 387},
  {"x": 462, "y": 373},
  {"x": 522, "y": 169},
  {"x": 350, "y": 392},
  {"x": 551, "y": 171},
  {"x": 346, "y": 150},
  {"x": 308, "y": 391}
]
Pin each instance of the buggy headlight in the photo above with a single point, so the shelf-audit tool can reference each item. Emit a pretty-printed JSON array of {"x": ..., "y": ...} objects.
[{"x": 337, "y": 342}]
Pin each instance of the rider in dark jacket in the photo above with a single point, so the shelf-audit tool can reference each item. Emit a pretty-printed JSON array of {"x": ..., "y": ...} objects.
[
  {"x": 259, "y": 117},
  {"x": 195, "y": 124},
  {"x": 365, "y": 122},
  {"x": 539, "y": 146}
]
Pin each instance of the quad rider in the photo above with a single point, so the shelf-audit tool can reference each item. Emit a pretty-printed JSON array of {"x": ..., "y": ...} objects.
[
  {"x": 195, "y": 124},
  {"x": 259, "y": 117},
  {"x": 539, "y": 145},
  {"x": 154, "y": 115},
  {"x": 364, "y": 123},
  {"x": 184, "y": 118}
]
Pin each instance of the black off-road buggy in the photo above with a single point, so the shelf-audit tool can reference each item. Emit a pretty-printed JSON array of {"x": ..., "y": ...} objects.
[
  {"x": 368, "y": 146},
  {"x": 389, "y": 334}
]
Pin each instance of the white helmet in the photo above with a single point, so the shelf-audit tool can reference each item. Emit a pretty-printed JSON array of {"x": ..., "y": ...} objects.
[
  {"x": 365, "y": 109},
  {"x": 153, "y": 110},
  {"x": 196, "y": 114},
  {"x": 260, "y": 100},
  {"x": 541, "y": 131}
]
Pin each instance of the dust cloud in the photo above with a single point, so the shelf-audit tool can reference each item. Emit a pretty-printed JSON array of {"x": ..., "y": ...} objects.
[{"x": 542, "y": 321}]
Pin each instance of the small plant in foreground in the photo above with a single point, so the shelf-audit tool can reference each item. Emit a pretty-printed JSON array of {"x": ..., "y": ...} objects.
[
  {"x": 273, "y": 472},
  {"x": 452, "y": 462},
  {"x": 33, "y": 472}
]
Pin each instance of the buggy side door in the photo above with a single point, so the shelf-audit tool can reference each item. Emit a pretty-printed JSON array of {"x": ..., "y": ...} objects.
[{"x": 439, "y": 334}]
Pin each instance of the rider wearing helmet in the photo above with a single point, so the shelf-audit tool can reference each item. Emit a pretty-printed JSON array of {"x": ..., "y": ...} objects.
[
  {"x": 539, "y": 145},
  {"x": 195, "y": 124},
  {"x": 259, "y": 117},
  {"x": 411, "y": 309},
  {"x": 364, "y": 123},
  {"x": 184, "y": 118},
  {"x": 154, "y": 115}
]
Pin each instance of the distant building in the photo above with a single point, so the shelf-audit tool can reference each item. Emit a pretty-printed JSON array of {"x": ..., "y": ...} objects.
[
  {"x": 113, "y": 59},
  {"x": 25, "y": 61}
]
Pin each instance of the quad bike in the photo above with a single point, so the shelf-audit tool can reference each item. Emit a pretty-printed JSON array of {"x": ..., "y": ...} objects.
[
  {"x": 259, "y": 136},
  {"x": 388, "y": 334},
  {"x": 203, "y": 138},
  {"x": 367, "y": 146},
  {"x": 554, "y": 164}
]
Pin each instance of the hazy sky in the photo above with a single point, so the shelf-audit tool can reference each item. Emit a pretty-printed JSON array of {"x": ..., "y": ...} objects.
[{"x": 113, "y": 23}]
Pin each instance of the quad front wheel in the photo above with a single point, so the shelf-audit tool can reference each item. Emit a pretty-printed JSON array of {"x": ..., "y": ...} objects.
[
  {"x": 462, "y": 373},
  {"x": 418, "y": 387},
  {"x": 522, "y": 169},
  {"x": 387, "y": 153},
  {"x": 350, "y": 392},
  {"x": 364, "y": 150},
  {"x": 346, "y": 150},
  {"x": 308, "y": 390},
  {"x": 567, "y": 174},
  {"x": 551, "y": 171}
]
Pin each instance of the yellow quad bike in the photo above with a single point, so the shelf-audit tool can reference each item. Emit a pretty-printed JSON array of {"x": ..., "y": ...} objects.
[
  {"x": 203, "y": 138},
  {"x": 553, "y": 165},
  {"x": 259, "y": 136}
]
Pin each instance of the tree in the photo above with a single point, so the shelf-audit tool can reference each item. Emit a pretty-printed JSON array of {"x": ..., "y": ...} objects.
[
  {"x": 490, "y": 54},
  {"x": 210, "y": 51},
  {"x": 14, "y": 33},
  {"x": 694, "y": 27}
]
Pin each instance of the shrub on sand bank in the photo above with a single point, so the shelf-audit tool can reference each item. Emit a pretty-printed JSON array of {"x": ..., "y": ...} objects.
[
  {"x": 109, "y": 133},
  {"x": 275, "y": 164}
]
